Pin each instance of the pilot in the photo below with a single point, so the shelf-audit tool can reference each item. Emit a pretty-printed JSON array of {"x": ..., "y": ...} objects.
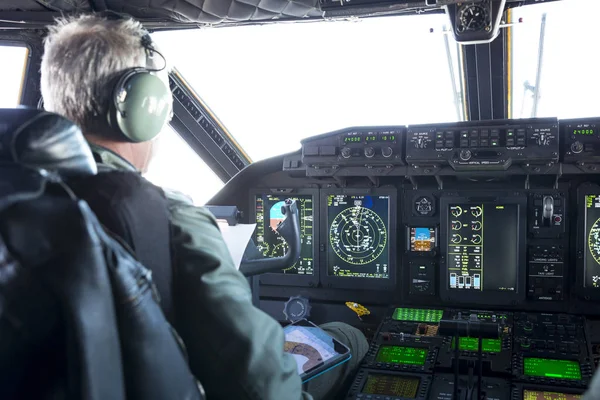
[{"x": 234, "y": 349}]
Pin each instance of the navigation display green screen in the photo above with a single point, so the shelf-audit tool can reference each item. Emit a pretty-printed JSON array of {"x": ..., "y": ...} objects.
[
  {"x": 472, "y": 344},
  {"x": 417, "y": 315},
  {"x": 548, "y": 368},
  {"x": 401, "y": 355},
  {"x": 392, "y": 385}
]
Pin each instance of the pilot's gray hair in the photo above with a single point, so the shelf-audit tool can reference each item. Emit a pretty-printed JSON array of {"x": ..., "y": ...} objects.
[{"x": 83, "y": 57}]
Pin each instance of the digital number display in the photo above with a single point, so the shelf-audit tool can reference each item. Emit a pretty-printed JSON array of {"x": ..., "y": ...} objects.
[
  {"x": 549, "y": 368},
  {"x": 401, "y": 355},
  {"x": 584, "y": 132},
  {"x": 392, "y": 385},
  {"x": 417, "y": 315},
  {"x": 268, "y": 240},
  {"x": 370, "y": 138},
  {"x": 539, "y": 395},
  {"x": 358, "y": 236},
  {"x": 422, "y": 239},
  {"x": 592, "y": 241},
  {"x": 388, "y": 138},
  {"x": 353, "y": 139},
  {"x": 472, "y": 344},
  {"x": 474, "y": 265}
]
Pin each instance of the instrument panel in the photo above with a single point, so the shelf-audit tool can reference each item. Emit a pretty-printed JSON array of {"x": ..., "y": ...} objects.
[
  {"x": 492, "y": 224},
  {"x": 410, "y": 357}
]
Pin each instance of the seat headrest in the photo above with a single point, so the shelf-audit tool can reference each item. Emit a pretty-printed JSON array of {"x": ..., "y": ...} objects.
[{"x": 43, "y": 140}]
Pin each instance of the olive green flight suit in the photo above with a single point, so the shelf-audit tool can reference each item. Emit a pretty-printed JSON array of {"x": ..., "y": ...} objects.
[{"x": 240, "y": 347}]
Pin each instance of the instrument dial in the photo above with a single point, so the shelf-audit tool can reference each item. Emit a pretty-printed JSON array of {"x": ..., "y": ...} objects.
[
  {"x": 473, "y": 17},
  {"x": 358, "y": 235},
  {"x": 594, "y": 245},
  {"x": 424, "y": 206}
]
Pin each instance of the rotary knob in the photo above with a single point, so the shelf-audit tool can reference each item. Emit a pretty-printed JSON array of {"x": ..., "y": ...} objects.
[
  {"x": 369, "y": 152},
  {"x": 577, "y": 147},
  {"x": 387, "y": 152},
  {"x": 465, "y": 155},
  {"x": 346, "y": 153},
  {"x": 296, "y": 308}
]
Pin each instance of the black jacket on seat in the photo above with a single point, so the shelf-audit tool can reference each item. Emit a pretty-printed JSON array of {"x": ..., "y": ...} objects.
[{"x": 78, "y": 318}]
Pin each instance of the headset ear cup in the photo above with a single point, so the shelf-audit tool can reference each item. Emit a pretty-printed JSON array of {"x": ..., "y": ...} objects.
[{"x": 140, "y": 106}]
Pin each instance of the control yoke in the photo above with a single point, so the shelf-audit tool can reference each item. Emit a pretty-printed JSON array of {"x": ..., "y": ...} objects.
[{"x": 289, "y": 229}]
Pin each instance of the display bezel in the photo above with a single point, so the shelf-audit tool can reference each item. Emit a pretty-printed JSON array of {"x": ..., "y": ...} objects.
[
  {"x": 580, "y": 289},
  {"x": 519, "y": 389},
  {"x": 280, "y": 279},
  {"x": 491, "y": 297},
  {"x": 360, "y": 283},
  {"x": 361, "y": 379}
]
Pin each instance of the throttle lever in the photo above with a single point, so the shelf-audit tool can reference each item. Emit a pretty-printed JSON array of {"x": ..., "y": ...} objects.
[{"x": 548, "y": 210}]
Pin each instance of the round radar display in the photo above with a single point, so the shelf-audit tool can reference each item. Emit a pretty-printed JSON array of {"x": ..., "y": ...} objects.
[
  {"x": 358, "y": 235},
  {"x": 594, "y": 241}
]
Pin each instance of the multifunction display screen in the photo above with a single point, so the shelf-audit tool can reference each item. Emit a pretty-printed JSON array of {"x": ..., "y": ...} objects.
[
  {"x": 483, "y": 247},
  {"x": 549, "y": 368},
  {"x": 358, "y": 236},
  {"x": 271, "y": 244},
  {"x": 417, "y": 315},
  {"x": 392, "y": 385},
  {"x": 539, "y": 395},
  {"x": 472, "y": 344},
  {"x": 422, "y": 239},
  {"x": 592, "y": 241},
  {"x": 401, "y": 355}
]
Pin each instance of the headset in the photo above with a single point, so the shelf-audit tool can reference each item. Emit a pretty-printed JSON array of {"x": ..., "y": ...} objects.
[{"x": 141, "y": 102}]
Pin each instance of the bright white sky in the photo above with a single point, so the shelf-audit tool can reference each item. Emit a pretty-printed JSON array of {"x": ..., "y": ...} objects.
[
  {"x": 11, "y": 70},
  {"x": 570, "y": 82},
  {"x": 274, "y": 85}
]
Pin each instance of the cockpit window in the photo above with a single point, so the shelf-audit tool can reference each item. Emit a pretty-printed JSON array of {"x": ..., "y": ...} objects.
[
  {"x": 273, "y": 85},
  {"x": 12, "y": 74},
  {"x": 176, "y": 166},
  {"x": 555, "y": 60}
]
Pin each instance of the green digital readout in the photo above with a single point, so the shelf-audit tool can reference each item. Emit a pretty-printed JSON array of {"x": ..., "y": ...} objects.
[
  {"x": 388, "y": 138},
  {"x": 584, "y": 132},
  {"x": 352, "y": 139},
  {"x": 549, "y": 368},
  {"x": 472, "y": 344},
  {"x": 417, "y": 315},
  {"x": 371, "y": 138},
  {"x": 401, "y": 355}
]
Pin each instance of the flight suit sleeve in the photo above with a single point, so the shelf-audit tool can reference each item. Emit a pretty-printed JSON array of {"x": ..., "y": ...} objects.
[{"x": 235, "y": 350}]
